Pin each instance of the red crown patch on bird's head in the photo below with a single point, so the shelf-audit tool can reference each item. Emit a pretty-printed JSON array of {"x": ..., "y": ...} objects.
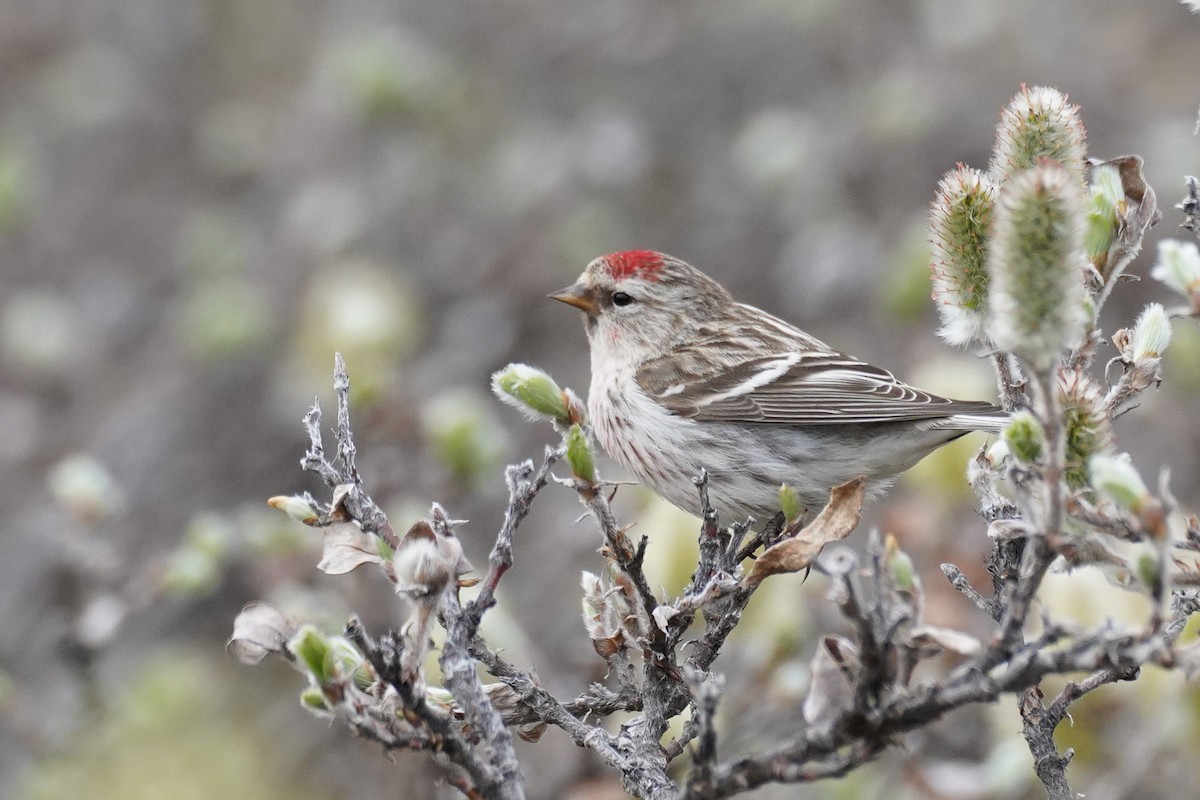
[{"x": 634, "y": 263}]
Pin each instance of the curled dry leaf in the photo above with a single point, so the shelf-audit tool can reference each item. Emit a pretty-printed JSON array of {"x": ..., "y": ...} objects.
[
  {"x": 835, "y": 522},
  {"x": 663, "y": 616},
  {"x": 257, "y": 632},
  {"x": 1087, "y": 548},
  {"x": 337, "y": 505},
  {"x": 510, "y": 706},
  {"x": 347, "y": 546},
  {"x": 835, "y": 667},
  {"x": 931, "y": 639},
  {"x": 531, "y": 732},
  {"x": 1008, "y": 530}
]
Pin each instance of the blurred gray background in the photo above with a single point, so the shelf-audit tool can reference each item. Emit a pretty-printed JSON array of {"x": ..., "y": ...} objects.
[{"x": 201, "y": 201}]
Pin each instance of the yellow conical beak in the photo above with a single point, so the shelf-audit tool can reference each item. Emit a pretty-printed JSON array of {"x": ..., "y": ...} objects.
[{"x": 579, "y": 296}]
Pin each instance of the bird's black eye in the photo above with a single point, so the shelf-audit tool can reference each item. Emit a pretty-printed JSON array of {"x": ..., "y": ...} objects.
[{"x": 621, "y": 299}]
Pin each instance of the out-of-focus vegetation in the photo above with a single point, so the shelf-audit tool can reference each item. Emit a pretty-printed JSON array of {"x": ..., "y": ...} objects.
[{"x": 201, "y": 201}]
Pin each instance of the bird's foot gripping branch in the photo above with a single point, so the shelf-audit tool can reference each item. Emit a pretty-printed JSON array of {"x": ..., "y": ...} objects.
[{"x": 1025, "y": 256}]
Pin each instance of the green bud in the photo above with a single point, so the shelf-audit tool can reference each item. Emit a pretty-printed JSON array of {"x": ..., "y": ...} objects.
[
  {"x": 579, "y": 454},
  {"x": 1038, "y": 125},
  {"x": 1178, "y": 266},
  {"x": 1025, "y": 438},
  {"x": 348, "y": 660},
  {"x": 1115, "y": 477},
  {"x": 314, "y": 653},
  {"x": 1147, "y": 571},
  {"x": 1151, "y": 333},
  {"x": 344, "y": 654},
  {"x": 1106, "y": 197},
  {"x": 959, "y": 221},
  {"x": 385, "y": 550},
  {"x": 1037, "y": 291},
  {"x": 532, "y": 392},
  {"x": 439, "y": 696},
  {"x": 789, "y": 503},
  {"x": 904, "y": 576},
  {"x": 313, "y": 699}
]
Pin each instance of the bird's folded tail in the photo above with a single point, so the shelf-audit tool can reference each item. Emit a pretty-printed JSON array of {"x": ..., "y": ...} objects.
[{"x": 989, "y": 422}]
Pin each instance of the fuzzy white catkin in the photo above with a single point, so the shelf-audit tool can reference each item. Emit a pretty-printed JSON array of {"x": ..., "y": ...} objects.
[
  {"x": 1038, "y": 125},
  {"x": 959, "y": 219},
  {"x": 1151, "y": 332},
  {"x": 1035, "y": 263}
]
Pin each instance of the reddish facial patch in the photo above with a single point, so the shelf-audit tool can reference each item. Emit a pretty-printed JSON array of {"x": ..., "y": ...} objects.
[{"x": 634, "y": 263}]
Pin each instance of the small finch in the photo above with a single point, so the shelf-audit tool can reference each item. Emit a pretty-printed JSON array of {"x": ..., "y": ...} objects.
[{"x": 685, "y": 378}]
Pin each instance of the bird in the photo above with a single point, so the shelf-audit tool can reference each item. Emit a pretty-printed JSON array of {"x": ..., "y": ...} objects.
[{"x": 684, "y": 378}]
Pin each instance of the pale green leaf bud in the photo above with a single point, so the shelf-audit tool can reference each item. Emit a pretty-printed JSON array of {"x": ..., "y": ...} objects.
[
  {"x": 579, "y": 454},
  {"x": 1147, "y": 568},
  {"x": 385, "y": 550},
  {"x": 1038, "y": 125},
  {"x": 1025, "y": 438},
  {"x": 1106, "y": 199},
  {"x": 532, "y": 392},
  {"x": 1151, "y": 333},
  {"x": 900, "y": 565},
  {"x": 348, "y": 660},
  {"x": 1037, "y": 292},
  {"x": 1178, "y": 266},
  {"x": 313, "y": 654},
  {"x": 313, "y": 700},
  {"x": 959, "y": 220},
  {"x": 295, "y": 506},
  {"x": 789, "y": 503},
  {"x": 439, "y": 696},
  {"x": 1115, "y": 477}
]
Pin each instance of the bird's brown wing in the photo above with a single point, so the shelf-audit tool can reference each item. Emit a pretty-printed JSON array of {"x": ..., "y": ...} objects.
[{"x": 796, "y": 388}]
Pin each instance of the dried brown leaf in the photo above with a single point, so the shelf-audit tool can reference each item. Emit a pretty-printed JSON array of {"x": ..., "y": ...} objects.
[
  {"x": 663, "y": 616},
  {"x": 932, "y": 640},
  {"x": 835, "y": 522},
  {"x": 347, "y": 546},
  {"x": 609, "y": 646},
  {"x": 531, "y": 732},
  {"x": 835, "y": 667},
  {"x": 337, "y": 505},
  {"x": 259, "y": 630}
]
